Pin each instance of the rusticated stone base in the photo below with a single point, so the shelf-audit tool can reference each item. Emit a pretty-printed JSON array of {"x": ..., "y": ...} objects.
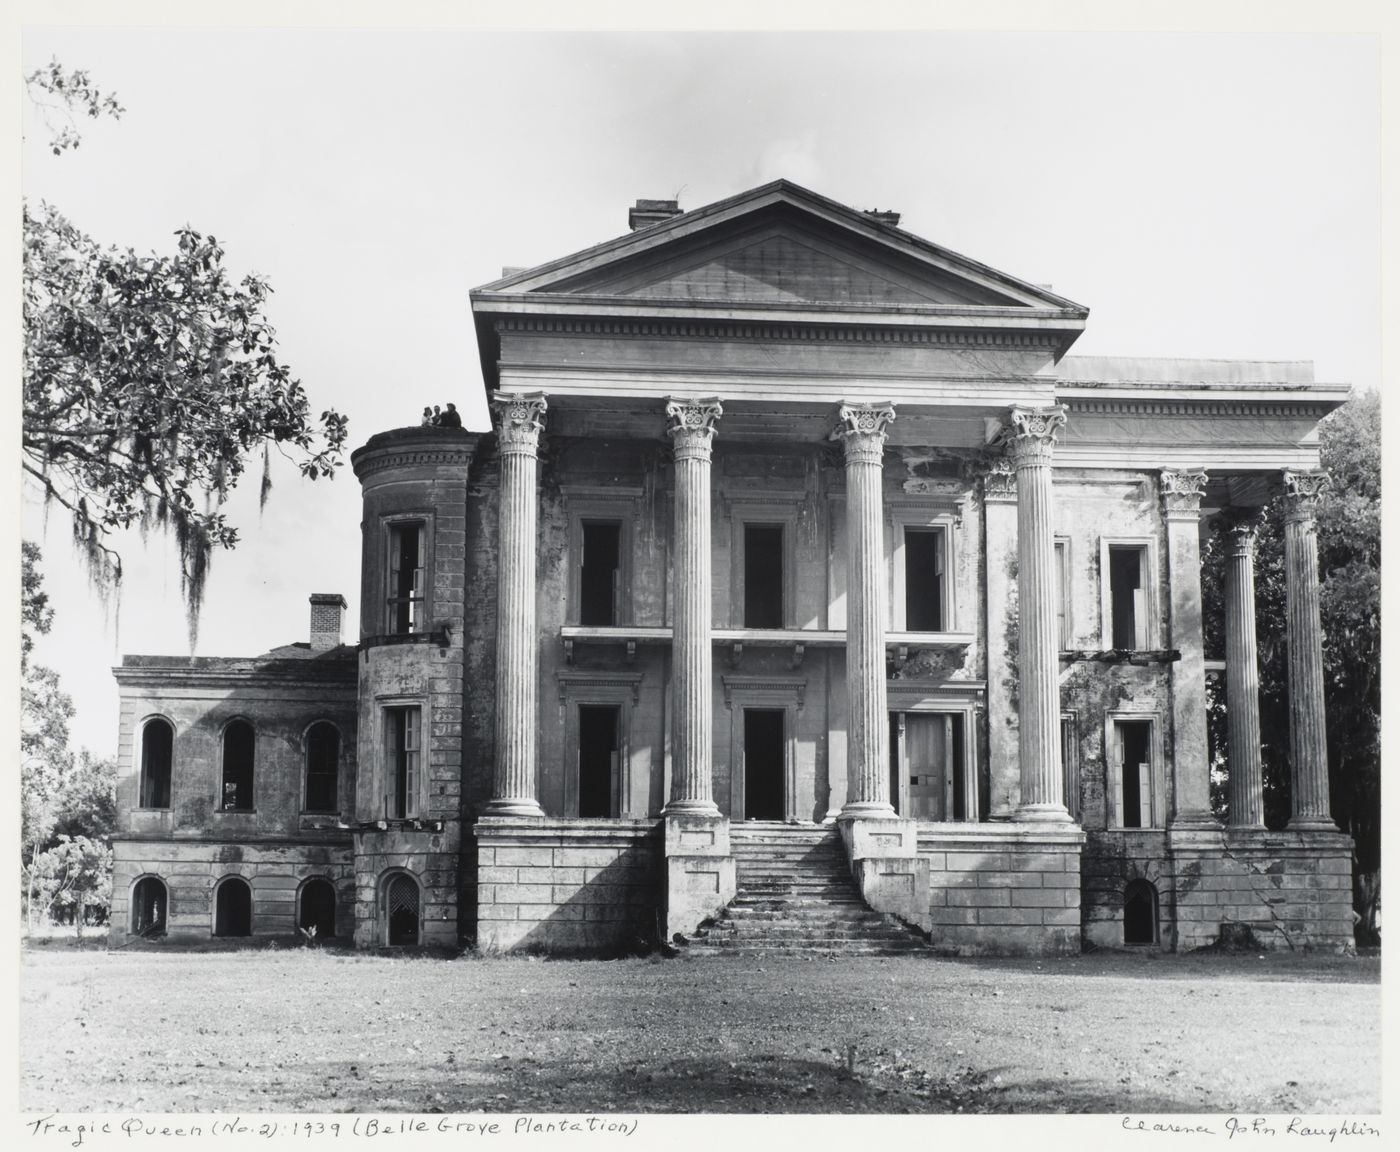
[
  {"x": 430, "y": 858},
  {"x": 700, "y": 876},
  {"x": 1003, "y": 889},
  {"x": 886, "y": 864},
  {"x": 567, "y": 885}
]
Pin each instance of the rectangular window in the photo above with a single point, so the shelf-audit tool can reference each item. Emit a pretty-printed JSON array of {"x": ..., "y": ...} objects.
[
  {"x": 1062, "y": 586},
  {"x": 406, "y": 597},
  {"x": 1069, "y": 762},
  {"x": 763, "y": 575},
  {"x": 599, "y": 575},
  {"x": 924, "y": 574},
  {"x": 1127, "y": 596},
  {"x": 1131, "y": 769},
  {"x": 403, "y": 758},
  {"x": 598, "y": 760}
]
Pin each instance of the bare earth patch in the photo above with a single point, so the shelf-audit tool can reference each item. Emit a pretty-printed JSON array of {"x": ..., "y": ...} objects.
[{"x": 284, "y": 1030}]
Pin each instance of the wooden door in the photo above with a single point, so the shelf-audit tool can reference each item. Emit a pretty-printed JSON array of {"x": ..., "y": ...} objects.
[{"x": 928, "y": 748}]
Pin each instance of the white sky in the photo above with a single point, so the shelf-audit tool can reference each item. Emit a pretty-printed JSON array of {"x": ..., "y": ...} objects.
[{"x": 1202, "y": 195}]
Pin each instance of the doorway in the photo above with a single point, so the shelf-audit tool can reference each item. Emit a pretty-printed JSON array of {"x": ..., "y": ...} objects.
[
  {"x": 765, "y": 763},
  {"x": 317, "y": 909},
  {"x": 402, "y": 899},
  {"x": 233, "y": 908},
  {"x": 597, "y": 760},
  {"x": 926, "y": 760}
]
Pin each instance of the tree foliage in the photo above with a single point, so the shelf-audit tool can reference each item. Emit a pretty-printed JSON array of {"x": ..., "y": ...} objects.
[
  {"x": 1349, "y": 547},
  {"x": 149, "y": 382}
]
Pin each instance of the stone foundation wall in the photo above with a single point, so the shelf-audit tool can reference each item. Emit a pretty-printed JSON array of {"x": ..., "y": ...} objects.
[
  {"x": 1292, "y": 889},
  {"x": 191, "y": 869},
  {"x": 568, "y": 885},
  {"x": 1003, "y": 889},
  {"x": 431, "y": 859},
  {"x": 1112, "y": 860}
]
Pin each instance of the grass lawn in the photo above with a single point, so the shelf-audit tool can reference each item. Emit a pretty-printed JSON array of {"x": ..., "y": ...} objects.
[{"x": 287, "y": 1030}]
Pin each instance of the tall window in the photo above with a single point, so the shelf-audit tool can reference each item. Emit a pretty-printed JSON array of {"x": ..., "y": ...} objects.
[
  {"x": 1127, "y": 596},
  {"x": 1062, "y": 592},
  {"x": 599, "y": 575},
  {"x": 322, "y": 768},
  {"x": 1131, "y": 768},
  {"x": 763, "y": 575},
  {"x": 157, "y": 754},
  {"x": 403, "y": 757},
  {"x": 406, "y": 597},
  {"x": 924, "y": 573},
  {"x": 238, "y": 768}
]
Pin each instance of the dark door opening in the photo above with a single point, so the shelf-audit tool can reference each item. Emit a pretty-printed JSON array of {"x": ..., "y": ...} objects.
[
  {"x": 1140, "y": 913},
  {"x": 765, "y": 762},
  {"x": 597, "y": 760},
  {"x": 318, "y": 909},
  {"x": 763, "y": 575},
  {"x": 148, "y": 904},
  {"x": 403, "y": 910},
  {"x": 598, "y": 575},
  {"x": 923, "y": 579},
  {"x": 233, "y": 909}
]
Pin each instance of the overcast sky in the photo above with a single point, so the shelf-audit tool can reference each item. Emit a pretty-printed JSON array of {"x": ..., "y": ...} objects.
[{"x": 1212, "y": 196}]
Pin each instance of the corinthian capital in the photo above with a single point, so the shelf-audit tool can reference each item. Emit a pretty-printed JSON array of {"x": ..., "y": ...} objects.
[
  {"x": 1241, "y": 531},
  {"x": 1029, "y": 435},
  {"x": 519, "y": 419},
  {"x": 1301, "y": 492},
  {"x": 999, "y": 481},
  {"x": 1181, "y": 493},
  {"x": 861, "y": 429},
  {"x": 691, "y": 424}
]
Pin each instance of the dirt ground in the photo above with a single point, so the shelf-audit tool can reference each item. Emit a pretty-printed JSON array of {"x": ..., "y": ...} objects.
[{"x": 290, "y": 1030}]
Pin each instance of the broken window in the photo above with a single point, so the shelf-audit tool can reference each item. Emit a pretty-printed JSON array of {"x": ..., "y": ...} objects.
[
  {"x": 924, "y": 574},
  {"x": 1127, "y": 595},
  {"x": 157, "y": 754},
  {"x": 1140, "y": 913},
  {"x": 322, "y": 768},
  {"x": 316, "y": 916},
  {"x": 600, "y": 573},
  {"x": 598, "y": 760},
  {"x": 238, "y": 768},
  {"x": 403, "y": 754},
  {"x": 233, "y": 908},
  {"x": 763, "y": 575},
  {"x": 401, "y": 907},
  {"x": 1131, "y": 767},
  {"x": 406, "y": 597},
  {"x": 149, "y": 904}
]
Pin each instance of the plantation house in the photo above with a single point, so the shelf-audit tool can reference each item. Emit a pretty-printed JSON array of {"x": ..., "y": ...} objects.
[{"x": 806, "y": 593}]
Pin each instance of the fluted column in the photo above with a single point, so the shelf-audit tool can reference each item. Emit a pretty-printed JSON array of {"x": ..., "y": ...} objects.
[
  {"x": 519, "y": 419},
  {"x": 1030, "y": 443},
  {"x": 691, "y": 426},
  {"x": 1181, "y": 509},
  {"x": 861, "y": 429},
  {"x": 1242, "y": 679},
  {"x": 1307, "y": 720}
]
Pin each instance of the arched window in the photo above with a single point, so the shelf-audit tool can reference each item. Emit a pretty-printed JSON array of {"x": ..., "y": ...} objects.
[
  {"x": 157, "y": 754},
  {"x": 322, "y": 768},
  {"x": 233, "y": 908},
  {"x": 238, "y": 767},
  {"x": 149, "y": 903},
  {"x": 1140, "y": 913},
  {"x": 401, "y": 909},
  {"x": 317, "y": 912}
]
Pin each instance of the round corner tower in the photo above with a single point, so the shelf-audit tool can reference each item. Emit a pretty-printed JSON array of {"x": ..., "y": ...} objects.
[{"x": 408, "y": 818}]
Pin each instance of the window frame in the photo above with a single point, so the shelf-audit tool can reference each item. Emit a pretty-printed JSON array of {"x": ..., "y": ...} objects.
[
  {"x": 415, "y": 788},
  {"x": 900, "y": 520},
  {"x": 388, "y": 526},
  {"x": 786, "y": 694},
  {"x": 604, "y": 506},
  {"x": 252, "y": 767},
  {"x": 620, "y": 690},
  {"x": 1148, "y": 570},
  {"x": 1063, "y": 572},
  {"x": 306, "y": 809},
  {"x": 146, "y": 722},
  {"x": 1113, "y": 801},
  {"x": 1069, "y": 761},
  {"x": 768, "y": 512}
]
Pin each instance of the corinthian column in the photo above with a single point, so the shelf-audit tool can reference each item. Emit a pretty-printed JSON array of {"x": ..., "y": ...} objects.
[
  {"x": 692, "y": 428},
  {"x": 518, "y": 423},
  {"x": 1181, "y": 509},
  {"x": 861, "y": 429},
  {"x": 1307, "y": 720},
  {"x": 1030, "y": 443},
  {"x": 1242, "y": 679}
]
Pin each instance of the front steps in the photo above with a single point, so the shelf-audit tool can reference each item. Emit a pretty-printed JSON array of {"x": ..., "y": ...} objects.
[{"x": 796, "y": 895}]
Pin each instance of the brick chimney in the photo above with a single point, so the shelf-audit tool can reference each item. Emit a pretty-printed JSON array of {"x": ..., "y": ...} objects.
[
  {"x": 884, "y": 216},
  {"x": 649, "y": 212},
  {"x": 327, "y": 613}
]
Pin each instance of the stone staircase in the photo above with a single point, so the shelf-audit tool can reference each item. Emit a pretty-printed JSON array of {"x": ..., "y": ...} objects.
[{"x": 796, "y": 895}]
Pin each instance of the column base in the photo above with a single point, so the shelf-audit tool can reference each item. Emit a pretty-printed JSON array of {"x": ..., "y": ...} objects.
[
  {"x": 1255, "y": 827},
  {"x": 867, "y": 810},
  {"x": 1194, "y": 821},
  {"x": 1042, "y": 814},
  {"x": 513, "y": 806},
  {"x": 1312, "y": 824},
  {"x": 691, "y": 808}
]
